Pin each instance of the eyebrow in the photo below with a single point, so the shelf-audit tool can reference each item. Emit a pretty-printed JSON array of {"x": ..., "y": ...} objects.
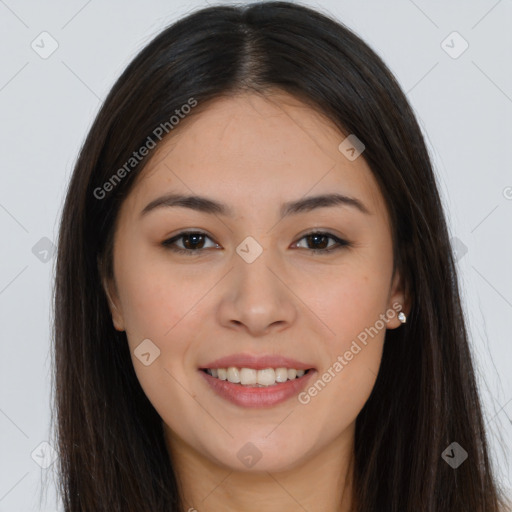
[{"x": 210, "y": 206}]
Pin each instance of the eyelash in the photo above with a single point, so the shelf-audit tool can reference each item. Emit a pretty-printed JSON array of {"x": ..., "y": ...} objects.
[{"x": 168, "y": 244}]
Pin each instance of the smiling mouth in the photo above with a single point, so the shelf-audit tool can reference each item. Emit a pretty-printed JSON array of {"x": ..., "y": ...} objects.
[{"x": 251, "y": 377}]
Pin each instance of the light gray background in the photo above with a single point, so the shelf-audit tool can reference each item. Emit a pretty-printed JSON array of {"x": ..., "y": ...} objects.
[{"x": 464, "y": 106}]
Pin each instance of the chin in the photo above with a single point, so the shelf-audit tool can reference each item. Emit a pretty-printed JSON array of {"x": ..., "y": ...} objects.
[{"x": 260, "y": 454}]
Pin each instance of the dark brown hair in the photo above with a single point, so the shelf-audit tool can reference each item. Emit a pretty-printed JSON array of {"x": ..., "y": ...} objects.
[{"x": 112, "y": 455}]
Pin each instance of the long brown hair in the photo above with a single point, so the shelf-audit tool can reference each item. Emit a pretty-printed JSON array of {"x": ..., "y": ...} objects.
[{"x": 112, "y": 454}]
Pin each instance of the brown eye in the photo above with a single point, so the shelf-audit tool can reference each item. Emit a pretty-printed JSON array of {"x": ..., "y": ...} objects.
[
  {"x": 318, "y": 242},
  {"x": 193, "y": 242}
]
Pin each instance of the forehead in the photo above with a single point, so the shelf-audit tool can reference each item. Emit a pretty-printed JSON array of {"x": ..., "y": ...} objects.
[{"x": 248, "y": 149}]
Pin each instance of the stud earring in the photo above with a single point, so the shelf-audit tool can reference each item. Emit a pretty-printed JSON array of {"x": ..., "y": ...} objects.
[{"x": 402, "y": 317}]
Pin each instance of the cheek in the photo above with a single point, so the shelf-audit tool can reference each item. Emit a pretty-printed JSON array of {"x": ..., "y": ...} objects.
[
  {"x": 351, "y": 304},
  {"x": 354, "y": 316},
  {"x": 155, "y": 296},
  {"x": 348, "y": 302},
  {"x": 159, "y": 306},
  {"x": 350, "y": 364}
]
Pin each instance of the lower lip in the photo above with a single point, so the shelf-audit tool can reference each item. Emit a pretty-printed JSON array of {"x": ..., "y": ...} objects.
[{"x": 247, "y": 396}]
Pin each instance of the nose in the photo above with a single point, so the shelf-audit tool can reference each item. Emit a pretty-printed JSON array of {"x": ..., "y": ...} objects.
[{"x": 256, "y": 298}]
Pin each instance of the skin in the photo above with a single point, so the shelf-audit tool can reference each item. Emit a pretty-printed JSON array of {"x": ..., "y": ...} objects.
[{"x": 254, "y": 153}]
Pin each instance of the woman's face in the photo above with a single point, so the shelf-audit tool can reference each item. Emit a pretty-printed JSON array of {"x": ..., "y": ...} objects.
[{"x": 249, "y": 292}]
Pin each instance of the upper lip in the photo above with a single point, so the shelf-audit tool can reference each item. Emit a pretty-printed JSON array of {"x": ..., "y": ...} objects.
[{"x": 258, "y": 362}]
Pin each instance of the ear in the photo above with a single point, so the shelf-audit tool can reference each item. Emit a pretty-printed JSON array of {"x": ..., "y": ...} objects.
[
  {"x": 398, "y": 302},
  {"x": 110, "y": 288}
]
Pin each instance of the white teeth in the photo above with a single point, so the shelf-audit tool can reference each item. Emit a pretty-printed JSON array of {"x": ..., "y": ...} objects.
[
  {"x": 281, "y": 375},
  {"x": 233, "y": 375},
  {"x": 292, "y": 373},
  {"x": 267, "y": 377},
  {"x": 256, "y": 378},
  {"x": 248, "y": 376}
]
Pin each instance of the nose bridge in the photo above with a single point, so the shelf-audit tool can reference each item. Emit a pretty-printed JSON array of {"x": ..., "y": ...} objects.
[
  {"x": 257, "y": 298},
  {"x": 255, "y": 269}
]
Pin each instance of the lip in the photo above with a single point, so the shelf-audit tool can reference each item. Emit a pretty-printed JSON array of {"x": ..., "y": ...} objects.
[
  {"x": 252, "y": 397},
  {"x": 257, "y": 362}
]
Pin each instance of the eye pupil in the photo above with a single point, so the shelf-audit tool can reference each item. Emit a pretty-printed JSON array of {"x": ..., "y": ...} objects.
[
  {"x": 315, "y": 237},
  {"x": 194, "y": 236}
]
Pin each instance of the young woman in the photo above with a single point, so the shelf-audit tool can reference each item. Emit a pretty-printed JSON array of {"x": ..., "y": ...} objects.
[{"x": 256, "y": 304}]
